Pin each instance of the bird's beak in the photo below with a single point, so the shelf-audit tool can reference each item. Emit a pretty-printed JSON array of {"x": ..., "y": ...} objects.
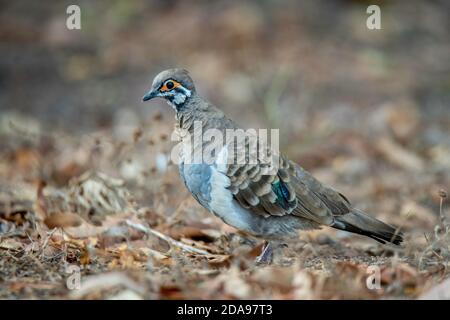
[{"x": 150, "y": 95}]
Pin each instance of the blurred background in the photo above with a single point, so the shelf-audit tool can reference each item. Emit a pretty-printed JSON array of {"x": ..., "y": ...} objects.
[
  {"x": 311, "y": 68},
  {"x": 367, "y": 111}
]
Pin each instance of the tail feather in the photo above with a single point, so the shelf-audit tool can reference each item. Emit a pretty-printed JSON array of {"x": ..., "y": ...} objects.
[{"x": 358, "y": 222}]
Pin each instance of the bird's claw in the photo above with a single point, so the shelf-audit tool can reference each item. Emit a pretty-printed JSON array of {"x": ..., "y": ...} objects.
[{"x": 266, "y": 256}]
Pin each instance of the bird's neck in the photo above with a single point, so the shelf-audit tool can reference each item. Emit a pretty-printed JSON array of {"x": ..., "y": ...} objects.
[
  {"x": 194, "y": 121},
  {"x": 197, "y": 111}
]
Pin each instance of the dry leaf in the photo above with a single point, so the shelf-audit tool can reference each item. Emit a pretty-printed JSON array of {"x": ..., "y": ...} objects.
[
  {"x": 399, "y": 155},
  {"x": 235, "y": 286},
  {"x": 62, "y": 220},
  {"x": 439, "y": 292}
]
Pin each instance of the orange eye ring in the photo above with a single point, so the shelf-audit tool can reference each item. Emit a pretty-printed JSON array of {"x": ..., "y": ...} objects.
[{"x": 169, "y": 85}]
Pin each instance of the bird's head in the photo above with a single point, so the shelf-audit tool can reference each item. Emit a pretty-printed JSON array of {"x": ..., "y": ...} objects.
[{"x": 174, "y": 85}]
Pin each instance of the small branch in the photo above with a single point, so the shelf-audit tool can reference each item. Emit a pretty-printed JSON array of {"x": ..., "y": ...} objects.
[
  {"x": 47, "y": 238},
  {"x": 171, "y": 241},
  {"x": 442, "y": 196}
]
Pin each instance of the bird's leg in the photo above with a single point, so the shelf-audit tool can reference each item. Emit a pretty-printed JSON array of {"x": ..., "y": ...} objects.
[{"x": 266, "y": 255}]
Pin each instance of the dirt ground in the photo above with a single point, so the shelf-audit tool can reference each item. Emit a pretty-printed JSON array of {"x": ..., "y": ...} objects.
[{"x": 87, "y": 192}]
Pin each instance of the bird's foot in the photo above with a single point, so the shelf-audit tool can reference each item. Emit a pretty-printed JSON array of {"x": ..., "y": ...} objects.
[{"x": 266, "y": 256}]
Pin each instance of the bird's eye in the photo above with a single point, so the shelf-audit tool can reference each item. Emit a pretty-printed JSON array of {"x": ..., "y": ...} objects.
[{"x": 169, "y": 85}]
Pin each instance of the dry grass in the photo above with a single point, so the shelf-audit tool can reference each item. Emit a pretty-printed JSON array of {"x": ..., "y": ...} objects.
[
  {"x": 84, "y": 177},
  {"x": 140, "y": 235}
]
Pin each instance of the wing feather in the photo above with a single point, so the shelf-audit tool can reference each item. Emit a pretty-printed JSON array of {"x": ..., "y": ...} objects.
[{"x": 289, "y": 190}]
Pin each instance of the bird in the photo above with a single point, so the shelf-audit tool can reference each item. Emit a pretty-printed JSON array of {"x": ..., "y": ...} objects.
[{"x": 270, "y": 204}]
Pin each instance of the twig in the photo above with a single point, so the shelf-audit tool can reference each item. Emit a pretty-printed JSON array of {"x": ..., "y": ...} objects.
[
  {"x": 47, "y": 238},
  {"x": 8, "y": 252},
  {"x": 442, "y": 196},
  {"x": 171, "y": 241},
  {"x": 397, "y": 231}
]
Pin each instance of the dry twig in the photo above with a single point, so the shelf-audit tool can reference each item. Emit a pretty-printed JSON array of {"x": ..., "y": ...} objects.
[{"x": 168, "y": 239}]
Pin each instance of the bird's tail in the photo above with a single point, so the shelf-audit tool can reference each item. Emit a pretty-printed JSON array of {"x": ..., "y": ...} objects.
[{"x": 358, "y": 222}]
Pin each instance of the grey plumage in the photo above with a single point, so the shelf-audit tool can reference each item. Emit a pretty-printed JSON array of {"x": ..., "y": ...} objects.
[{"x": 271, "y": 205}]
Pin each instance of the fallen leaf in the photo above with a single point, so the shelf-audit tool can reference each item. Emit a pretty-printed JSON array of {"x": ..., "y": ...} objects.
[
  {"x": 62, "y": 220},
  {"x": 439, "y": 292}
]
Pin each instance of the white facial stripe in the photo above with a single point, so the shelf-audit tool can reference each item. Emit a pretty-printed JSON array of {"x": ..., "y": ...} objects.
[
  {"x": 177, "y": 96},
  {"x": 187, "y": 92}
]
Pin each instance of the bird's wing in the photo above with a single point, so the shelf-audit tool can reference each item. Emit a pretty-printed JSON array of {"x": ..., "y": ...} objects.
[
  {"x": 315, "y": 200},
  {"x": 289, "y": 189}
]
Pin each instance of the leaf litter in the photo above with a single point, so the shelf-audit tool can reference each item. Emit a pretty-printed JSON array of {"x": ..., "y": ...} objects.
[
  {"x": 100, "y": 198},
  {"x": 123, "y": 249}
]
